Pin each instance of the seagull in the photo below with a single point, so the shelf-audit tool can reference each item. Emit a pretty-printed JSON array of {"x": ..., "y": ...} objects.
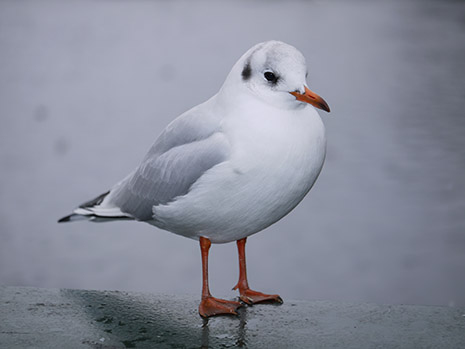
[{"x": 229, "y": 167}]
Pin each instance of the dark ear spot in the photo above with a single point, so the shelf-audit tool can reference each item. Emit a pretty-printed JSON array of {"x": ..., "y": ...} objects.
[{"x": 247, "y": 71}]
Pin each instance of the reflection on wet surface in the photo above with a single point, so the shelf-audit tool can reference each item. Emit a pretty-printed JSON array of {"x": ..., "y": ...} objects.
[
  {"x": 142, "y": 321},
  {"x": 53, "y": 318},
  {"x": 134, "y": 320}
]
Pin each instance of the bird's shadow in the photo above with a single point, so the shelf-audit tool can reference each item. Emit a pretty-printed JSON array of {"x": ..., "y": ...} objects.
[{"x": 137, "y": 320}]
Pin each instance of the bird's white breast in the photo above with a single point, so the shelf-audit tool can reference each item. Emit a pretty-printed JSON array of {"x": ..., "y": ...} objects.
[{"x": 276, "y": 156}]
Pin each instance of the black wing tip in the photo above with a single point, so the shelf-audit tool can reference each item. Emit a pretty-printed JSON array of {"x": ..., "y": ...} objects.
[
  {"x": 65, "y": 219},
  {"x": 94, "y": 202}
]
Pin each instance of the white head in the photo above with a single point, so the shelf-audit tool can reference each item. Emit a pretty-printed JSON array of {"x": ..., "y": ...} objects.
[{"x": 276, "y": 73}]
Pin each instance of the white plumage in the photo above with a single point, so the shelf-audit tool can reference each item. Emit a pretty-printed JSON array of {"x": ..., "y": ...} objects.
[{"x": 233, "y": 165}]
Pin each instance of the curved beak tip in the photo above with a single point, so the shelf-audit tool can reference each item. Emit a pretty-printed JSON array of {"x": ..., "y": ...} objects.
[
  {"x": 312, "y": 98},
  {"x": 325, "y": 107}
]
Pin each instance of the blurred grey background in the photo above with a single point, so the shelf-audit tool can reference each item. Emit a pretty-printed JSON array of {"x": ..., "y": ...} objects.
[{"x": 86, "y": 87}]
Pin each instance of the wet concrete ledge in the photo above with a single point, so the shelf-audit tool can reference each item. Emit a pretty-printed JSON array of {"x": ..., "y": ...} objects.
[{"x": 61, "y": 318}]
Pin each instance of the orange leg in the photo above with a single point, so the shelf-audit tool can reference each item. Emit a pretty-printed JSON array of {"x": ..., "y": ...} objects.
[
  {"x": 209, "y": 305},
  {"x": 246, "y": 294}
]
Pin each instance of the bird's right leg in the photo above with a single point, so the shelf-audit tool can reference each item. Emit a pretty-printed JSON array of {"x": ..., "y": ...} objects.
[
  {"x": 246, "y": 294},
  {"x": 209, "y": 305}
]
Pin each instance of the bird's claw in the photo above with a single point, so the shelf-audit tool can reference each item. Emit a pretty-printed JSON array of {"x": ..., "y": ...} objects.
[
  {"x": 211, "y": 306},
  {"x": 250, "y": 297}
]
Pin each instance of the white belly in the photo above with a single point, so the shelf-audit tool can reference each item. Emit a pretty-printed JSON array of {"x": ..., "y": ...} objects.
[{"x": 274, "y": 163}]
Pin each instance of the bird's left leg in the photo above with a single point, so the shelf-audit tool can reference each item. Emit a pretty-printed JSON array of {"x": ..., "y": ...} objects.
[{"x": 246, "y": 294}]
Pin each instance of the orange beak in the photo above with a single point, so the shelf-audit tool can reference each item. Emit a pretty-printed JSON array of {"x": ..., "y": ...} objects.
[{"x": 311, "y": 98}]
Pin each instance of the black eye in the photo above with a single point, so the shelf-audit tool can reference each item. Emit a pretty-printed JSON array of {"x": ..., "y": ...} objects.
[{"x": 270, "y": 77}]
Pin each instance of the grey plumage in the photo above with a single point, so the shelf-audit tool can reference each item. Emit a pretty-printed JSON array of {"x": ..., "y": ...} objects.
[{"x": 188, "y": 147}]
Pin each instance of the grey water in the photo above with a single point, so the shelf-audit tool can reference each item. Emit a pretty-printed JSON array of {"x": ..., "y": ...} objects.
[{"x": 86, "y": 87}]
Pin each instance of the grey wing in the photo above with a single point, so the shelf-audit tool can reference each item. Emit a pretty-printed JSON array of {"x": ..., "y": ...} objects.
[{"x": 169, "y": 169}]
